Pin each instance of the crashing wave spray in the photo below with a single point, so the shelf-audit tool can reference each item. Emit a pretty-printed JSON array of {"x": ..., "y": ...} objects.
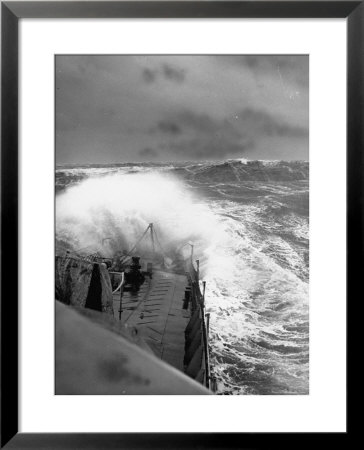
[{"x": 110, "y": 213}]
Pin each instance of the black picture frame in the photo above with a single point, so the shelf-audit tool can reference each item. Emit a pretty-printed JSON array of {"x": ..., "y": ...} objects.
[{"x": 11, "y": 12}]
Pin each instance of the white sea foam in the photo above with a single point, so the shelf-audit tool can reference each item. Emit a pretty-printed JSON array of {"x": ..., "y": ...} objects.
[{"x": 257, "y": 300}]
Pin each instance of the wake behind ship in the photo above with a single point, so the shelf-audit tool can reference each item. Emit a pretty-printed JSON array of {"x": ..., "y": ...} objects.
[{"x": 132, "y": 325}]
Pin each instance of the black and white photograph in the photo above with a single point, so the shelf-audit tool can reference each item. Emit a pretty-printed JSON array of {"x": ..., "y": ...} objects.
[{"x": 182, "y": 224}]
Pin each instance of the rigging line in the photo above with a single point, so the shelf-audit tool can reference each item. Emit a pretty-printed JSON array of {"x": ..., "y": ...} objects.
[
  {"x": 82, "y": 248},
  {"x": 121, "y": 283},
  {"x": 138, "y": 242},
  {"x": 158, "y": 242},
  {"x": 124, "y": 257}
]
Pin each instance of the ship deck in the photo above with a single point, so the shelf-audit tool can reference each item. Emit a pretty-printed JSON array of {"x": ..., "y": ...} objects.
[{"x": 157, "y": 314}]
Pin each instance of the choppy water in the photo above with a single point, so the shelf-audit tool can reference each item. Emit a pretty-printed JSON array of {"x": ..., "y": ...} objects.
[{"x": 249, "y": 225}]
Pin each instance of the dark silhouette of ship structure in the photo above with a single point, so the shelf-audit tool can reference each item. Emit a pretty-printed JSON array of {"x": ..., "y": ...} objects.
[{"x": 131, "y": 324}]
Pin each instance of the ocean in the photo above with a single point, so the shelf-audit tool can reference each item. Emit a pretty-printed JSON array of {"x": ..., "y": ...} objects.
[{"x": 248, "y": 222}]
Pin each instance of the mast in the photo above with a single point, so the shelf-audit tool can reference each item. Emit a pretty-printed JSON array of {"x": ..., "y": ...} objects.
[{"x": 152, "y": 237}]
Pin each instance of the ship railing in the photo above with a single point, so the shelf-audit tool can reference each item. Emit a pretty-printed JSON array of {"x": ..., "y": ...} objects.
[
  {"x": 198, "y": 303},
  {"x": 122, "y": 282},
  {"x": 93, "y": 258},
  {"x": 119, "y": 288}
]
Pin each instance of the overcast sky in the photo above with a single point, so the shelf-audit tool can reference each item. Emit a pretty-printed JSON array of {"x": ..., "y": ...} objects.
[{"x": 176, "y": 108}]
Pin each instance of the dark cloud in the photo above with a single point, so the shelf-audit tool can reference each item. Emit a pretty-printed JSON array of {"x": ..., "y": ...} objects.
[
  {"x": 261, "y": 123},
  {"x": 173, "y": 73},
  {"x": 169, "y": 127},
  {"x": 149, "y": 75},
  {"x": 168, "y": 106},
  {"x": 205, "y": 137},
  {"x": 148, "y": 152},
  {"x": 214, "y": 148},
  {"x": 166, "y": 72},
  {"x": 204, "y": 124},
  {"x": 251, "y": 61},
  {"x": 247, "y": 122},
  {"x": 200, "y": 122}
]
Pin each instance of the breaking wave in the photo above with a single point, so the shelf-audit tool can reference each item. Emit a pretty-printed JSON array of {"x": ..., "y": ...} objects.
[{"x": 102, "y": 214}]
